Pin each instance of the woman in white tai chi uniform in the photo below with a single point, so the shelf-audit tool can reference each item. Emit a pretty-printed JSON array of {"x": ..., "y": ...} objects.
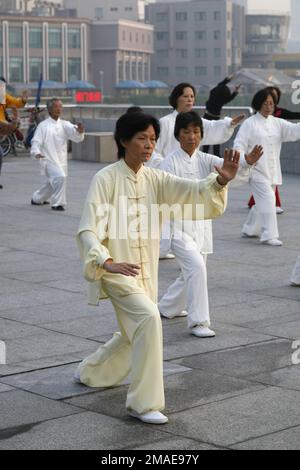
[
  {"x": 49, "y": 145},
  {"x": 182, "y": 100},
  {"x": 270, "y": 132},
  {"x": 191, "y": 241},
  {"x": 119, "y": 244}
]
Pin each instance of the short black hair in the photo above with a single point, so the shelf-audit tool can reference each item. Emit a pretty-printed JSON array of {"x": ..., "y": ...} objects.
[
  {"x": 177, "y": 92},
  {"x": 260, "y": 97},
  {"x": 2, "y": 79},
  {"x": 278, "y": 91},
  {"x": 130, "y": 124},
  {"x": 134, "y": 109},
  {"x": 183, "y": 120}
]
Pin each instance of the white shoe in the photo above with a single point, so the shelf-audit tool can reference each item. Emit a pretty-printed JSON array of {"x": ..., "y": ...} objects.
[
  {"x": 273, "y": 242},
  {"x": 184, "y": 313},
  {"x": 167, "y": 256},
  {"x": 279, "y": 210},
  {"x": 152, "y": 417},
  {"x": 202, "y": 332},
  {"x": 245, "y": 235},
  {"x": 294, "y": 284}
]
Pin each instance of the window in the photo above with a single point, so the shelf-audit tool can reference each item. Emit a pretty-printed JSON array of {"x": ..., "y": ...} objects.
[
  {"x": 16, "y": 69},
  {"x": 181, "y": 16},
  {"x": 160, "y": 17},
  {"x": 200, "y": 35},
  {"x": 163, "y": 53},
  {"x": 74, "y": 68},
  {"x": 181, "y": 35},
  {"x": 217, "y": 35},
  {"x": 200, "y": 16},
  {"x": 74, "y": 38},
  {"x": 162, "y": 36},
  {"x": 200, "y": 71},
  {"x": 181, "y": 53},
  {"x": 15, "y": 37},
  {"x": 217, "y": 52},
  {"x": 99, "y": 13},
  {"x": 217, "y": 70},
  {"x": 35, "y": 68},
  {"x": 201, "y": 53},
  {"x": 36, "y": 37},
  {"x": 55, "y": 69},
  {"x": 217, "y": 15},
  {"x": 55, "y": 41},
  {"x": 162, "y": 71},
  {"x": 182, "y": 71}
]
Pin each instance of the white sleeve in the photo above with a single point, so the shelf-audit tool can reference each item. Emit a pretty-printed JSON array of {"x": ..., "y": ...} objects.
[
  {"x": 37, "y": 142},
  {"x": 290, "y": 131},
  {"x": 167, "y": 165},
  {"x": 72, "y": 133},
  {"x": 163, "y": 139},
  {"x": 217, "y": 132}
]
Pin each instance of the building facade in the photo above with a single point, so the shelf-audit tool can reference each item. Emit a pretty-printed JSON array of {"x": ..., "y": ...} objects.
[
  {"x": 27, "y": 6},
  {"x": 56, "y": 47},
  {"x": 111, "y": 10},
  {"x": 195, "y": 40},
  {"x": 120, "y": 50}
]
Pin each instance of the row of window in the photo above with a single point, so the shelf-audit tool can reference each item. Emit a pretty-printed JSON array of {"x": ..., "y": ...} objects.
[
  {"x": 137, "y": 71},
  {"x": 197, "y": 15},
  {"x": 183, "y": 35},
  {"x": 16, "y": 72},
  {"x": 137, "y": 36},
  {"x": 185, "y": 71},
  {"x": 198, "y": 53},
  {"x": 36, "y": 37}
]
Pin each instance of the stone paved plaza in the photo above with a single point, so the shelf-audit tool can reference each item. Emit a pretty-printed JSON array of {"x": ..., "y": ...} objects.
[{"x": 239, "y": 390}]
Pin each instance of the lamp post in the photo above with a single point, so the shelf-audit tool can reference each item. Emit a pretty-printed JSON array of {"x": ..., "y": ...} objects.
[{"x": 102, "y": 83}]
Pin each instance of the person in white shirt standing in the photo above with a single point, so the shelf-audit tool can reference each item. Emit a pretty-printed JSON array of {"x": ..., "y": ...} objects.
[
  {"x": 50, "y": 146},
  {"x": 270, "y": 132},
  {"x": 191, "y": 241},
  {"x": 182, "y": 100}
]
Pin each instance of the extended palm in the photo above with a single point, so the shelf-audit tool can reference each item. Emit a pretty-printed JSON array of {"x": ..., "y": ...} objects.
[
  {"x": 230, "y": 166},
  {"x": 255, "y": 155},
  {"x": 237, "y": 120}
]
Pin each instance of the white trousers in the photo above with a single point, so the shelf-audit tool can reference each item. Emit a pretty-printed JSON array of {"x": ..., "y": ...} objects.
[
  {"x": 165, "y": 241},
  {"x": 262, "y": 218},
  {"x": 189, "y": 291},
  {"x": 295, "y": 279},
  {"x": 54, "y": 187},
  {"x": 137, "y": 348}
]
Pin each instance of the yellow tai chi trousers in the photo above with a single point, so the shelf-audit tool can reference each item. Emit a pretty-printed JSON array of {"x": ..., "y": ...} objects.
[{"x": 137, "y": 348}]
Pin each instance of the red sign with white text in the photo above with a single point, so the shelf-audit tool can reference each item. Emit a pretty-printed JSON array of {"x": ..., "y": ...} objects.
[{"x": 94, "y": 96}]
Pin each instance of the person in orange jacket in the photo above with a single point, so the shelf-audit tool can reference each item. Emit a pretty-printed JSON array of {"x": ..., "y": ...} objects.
[{"x": 8, "y": 101}]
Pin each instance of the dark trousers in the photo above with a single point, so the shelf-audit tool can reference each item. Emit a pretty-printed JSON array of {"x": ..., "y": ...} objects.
[{"x": 215, "y": 148}]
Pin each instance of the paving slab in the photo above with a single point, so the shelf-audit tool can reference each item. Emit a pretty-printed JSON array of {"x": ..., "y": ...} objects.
[
  {"x": 177, "y": 444},
  {"x": 285, "y": 329},
  {"x": 244, "y": 361},
  {"x": 240, "y": 418},
  {"x": 58, "y": 382},
  {"x": 84, "y": 431},
  {"x": 287, "y": 377},
  {"x": 283, "y": 440}
]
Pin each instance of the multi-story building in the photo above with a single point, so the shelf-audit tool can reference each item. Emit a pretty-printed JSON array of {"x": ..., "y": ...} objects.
[
  {"x": 120, "y": 50},
  {"x": 27, "y": 6},
  {"x": 196, "y": 40},
  {"x": 57, "y": 47},
  {"x": 111, "y": 10}
]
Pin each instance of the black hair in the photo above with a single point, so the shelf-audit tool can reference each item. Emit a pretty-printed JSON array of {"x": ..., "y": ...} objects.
[
  {"x": 183, "y": 120},
  {"x": 134, "y": 109},
  {"x": 278, "y": 91},
  {"x": 130, "y": 124},
  {"x": 260, "y": 97},
  {"x": 177, "y": 92},
  {"x": 2, "y": 79}
]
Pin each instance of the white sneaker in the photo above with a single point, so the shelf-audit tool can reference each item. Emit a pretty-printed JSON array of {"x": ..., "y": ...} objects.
[
  {"x": 273, "y": 242},
  {"x": 202, "y": 332},
  {"x": 184, "y": 313},
  {"x": 168, "y": 256},
  {"x": 294, "y": 284},
  {"x": 279, "y": 210},
  {"x": 152, "y": 417}
]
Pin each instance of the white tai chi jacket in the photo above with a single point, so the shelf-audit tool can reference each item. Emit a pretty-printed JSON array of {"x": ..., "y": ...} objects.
[
  {"x": 215, "y": 132},
  {"x": 196, "y": 167},
  {"x": 51, "y": 141},
  {"x": 269, "y": 132}
]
